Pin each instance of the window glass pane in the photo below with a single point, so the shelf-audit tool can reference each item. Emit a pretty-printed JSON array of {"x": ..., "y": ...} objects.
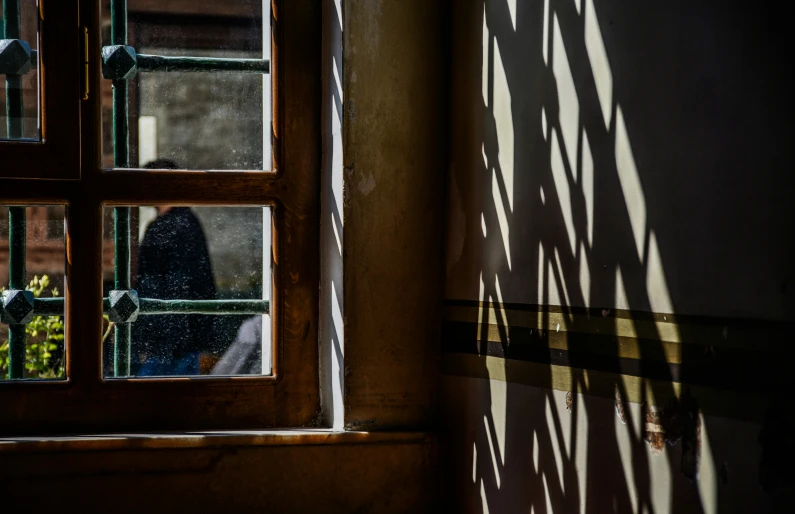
[
  {"x": 19, "y": 78},
  {"x": 213, "y": 262},
  {"x": 199, "y": 119},
  {"x": 39, "y": 233}
]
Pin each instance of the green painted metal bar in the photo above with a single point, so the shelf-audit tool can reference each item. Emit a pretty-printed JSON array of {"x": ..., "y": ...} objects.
[
  {"x": 48, "y": 306},
  {"x": 121, "y": 354},
  {"x": 12, "y": 19},
  {"x": 121, "y": 226},
  {"x": 207, "y": 64},
  {"x": 121, "y": 128},
  {"x": 150, "y": 306},
  {"x": 122, "y": 334},
  {"x": 17, "y": 233},
  {"x": 121, "y": 159},
  {"x": 17, "y": 338},
  {"x": 118, "y": 22},
  {"x": 11, "y": 29}
]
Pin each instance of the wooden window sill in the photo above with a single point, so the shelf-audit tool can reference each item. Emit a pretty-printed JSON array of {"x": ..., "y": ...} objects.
[{"x": 204, "y": 439}]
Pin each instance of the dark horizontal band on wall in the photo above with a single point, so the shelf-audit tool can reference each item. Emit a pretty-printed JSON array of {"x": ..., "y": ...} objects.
[
  {"x": 635, "y": 315},
  {"x": 519, "y": 338},
  {"x": 753, "y": 335},
  {"x": 554, "y": 347},
  {"x": 731, "y": 372}
]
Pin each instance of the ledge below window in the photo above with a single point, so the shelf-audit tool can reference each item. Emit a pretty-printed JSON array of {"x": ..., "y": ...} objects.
[{"x": 206, "y": 439}]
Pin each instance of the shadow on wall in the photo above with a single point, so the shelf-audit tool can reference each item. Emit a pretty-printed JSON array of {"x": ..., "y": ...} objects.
[
  {"x": 332, "y": 229},
  {"x": 619, "y": 240}
]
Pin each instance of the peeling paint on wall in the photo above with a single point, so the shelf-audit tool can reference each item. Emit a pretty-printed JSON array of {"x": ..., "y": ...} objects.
[
  {"x": 366, "y": 184},
  {"x": 620, "y": 410},
  {"x": 678, "y": 421}
]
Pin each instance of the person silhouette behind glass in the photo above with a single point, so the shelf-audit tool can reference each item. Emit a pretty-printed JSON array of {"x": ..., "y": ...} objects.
[{"x": 173, "y": 264}]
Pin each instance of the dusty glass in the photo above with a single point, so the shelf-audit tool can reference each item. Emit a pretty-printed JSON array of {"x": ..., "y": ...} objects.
[
  {"x": 219, "y": 257},
  {"x": 19, "y": 64},
  {"x": 200, "y": 120}
]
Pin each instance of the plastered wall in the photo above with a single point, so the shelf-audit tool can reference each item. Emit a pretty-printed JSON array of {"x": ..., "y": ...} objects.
[
  {"x": 618, "y": 278},
  {"x": 394, "y": 148}
]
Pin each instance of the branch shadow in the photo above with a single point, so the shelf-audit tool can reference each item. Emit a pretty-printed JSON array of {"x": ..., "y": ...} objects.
[{"x": 600, "y": 212}]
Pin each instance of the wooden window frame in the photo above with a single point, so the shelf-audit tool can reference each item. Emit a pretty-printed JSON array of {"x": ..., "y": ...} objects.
[
  {"x": 57, "y": 155},
  {"x": 87, "y": 402}
]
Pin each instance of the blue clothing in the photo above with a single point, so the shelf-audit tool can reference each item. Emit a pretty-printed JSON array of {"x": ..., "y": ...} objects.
[{"x": 154, "y": 366}]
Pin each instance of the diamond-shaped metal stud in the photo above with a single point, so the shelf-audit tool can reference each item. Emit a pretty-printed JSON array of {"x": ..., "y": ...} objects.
[
  {"x": 119, "y": 62},
  {"x": 14, "y": 57},
  {"x": 124, "y": 306},
  {"x": 17, "y": 306}
]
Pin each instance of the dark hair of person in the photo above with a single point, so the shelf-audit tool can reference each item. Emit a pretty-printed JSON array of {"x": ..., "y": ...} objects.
[{"x": 161, "y": 164}]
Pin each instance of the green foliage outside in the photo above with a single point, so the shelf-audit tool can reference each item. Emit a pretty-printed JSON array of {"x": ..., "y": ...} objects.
[{"x": 44, "y": 351}]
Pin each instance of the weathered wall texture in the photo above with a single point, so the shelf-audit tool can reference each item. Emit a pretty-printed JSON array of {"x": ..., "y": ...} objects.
[
  {"x": 394, "y": 149},
  {"x": 520, "y": 447},
  {"x": 618, "y": 257}
]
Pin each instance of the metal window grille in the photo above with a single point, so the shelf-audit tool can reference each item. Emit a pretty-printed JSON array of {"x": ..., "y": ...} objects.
[{"x": 120, "y": 63}]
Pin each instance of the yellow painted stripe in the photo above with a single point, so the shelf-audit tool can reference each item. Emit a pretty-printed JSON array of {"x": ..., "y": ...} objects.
[
  {"x": 759, "y": 337},
  {"x": 629, "y": 348},
  {"x": 712, "y": 401}
]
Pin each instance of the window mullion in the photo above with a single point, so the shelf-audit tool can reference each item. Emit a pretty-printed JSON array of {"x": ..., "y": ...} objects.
[{"x": 83, "y": 289}]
